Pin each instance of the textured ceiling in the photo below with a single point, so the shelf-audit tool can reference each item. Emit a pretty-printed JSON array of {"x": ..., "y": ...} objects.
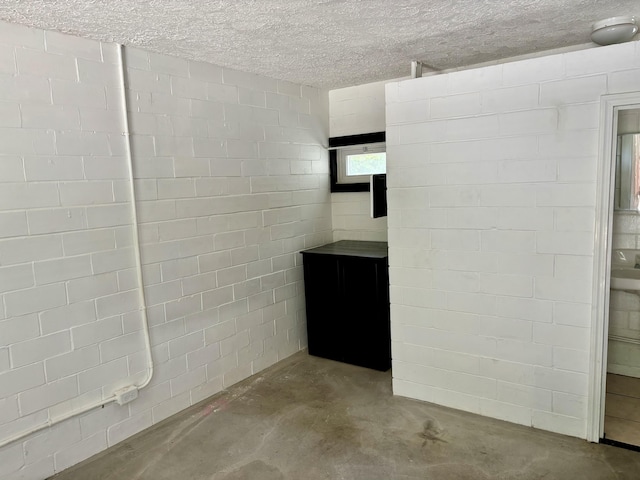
[{"x": 327, "y": 43}]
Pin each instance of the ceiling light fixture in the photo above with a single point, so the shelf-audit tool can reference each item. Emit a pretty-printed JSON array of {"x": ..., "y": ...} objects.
[{"x": 614, "y": 30}]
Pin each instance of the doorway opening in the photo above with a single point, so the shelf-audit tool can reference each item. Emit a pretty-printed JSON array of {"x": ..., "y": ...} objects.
[
  {"x": 622, "y": 398},
  {"x": 614, "y": 415}
]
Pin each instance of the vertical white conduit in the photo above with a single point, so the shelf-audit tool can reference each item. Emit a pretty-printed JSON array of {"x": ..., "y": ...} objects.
[
  {"x": 141, "y": 298},
  {"x": 134, "y": 211}
]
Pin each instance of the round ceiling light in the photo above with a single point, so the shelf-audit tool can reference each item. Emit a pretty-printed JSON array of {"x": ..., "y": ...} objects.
[{"x": 614, "y": 30}]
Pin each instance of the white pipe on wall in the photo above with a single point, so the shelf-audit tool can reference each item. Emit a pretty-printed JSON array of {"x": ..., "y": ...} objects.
[
  {"x": 134, "y": 212},
  {"x": 136, "y": 239},
  {"x": 141, "y": 297}
]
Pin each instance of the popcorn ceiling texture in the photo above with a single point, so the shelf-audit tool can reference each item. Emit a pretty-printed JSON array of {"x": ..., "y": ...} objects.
[{"x": 327, "y": 43}]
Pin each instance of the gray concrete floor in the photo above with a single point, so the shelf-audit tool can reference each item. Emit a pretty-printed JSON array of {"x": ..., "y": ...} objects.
[{"x": 308, "y": 418}]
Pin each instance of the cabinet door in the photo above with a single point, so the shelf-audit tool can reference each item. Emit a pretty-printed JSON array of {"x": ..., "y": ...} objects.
[
  {"x": 323, "y": 306},
  {"x": 366, "y": 301}
]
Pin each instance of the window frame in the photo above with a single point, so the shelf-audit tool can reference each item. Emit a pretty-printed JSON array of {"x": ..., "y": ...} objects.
[
  {"x": 349, "y": 141},
  {"x": 344, "y": 153}
]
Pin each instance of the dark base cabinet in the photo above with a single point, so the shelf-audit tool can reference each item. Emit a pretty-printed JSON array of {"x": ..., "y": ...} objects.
[{"x": 347, "y": 295}]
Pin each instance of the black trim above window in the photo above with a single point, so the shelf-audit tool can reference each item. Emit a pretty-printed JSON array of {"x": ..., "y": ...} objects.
[
  {"x": 376, "y": 137},
  {"x": 346, "y": 141}
]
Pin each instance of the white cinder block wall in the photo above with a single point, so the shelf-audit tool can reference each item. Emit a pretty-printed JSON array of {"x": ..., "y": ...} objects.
[
  {"x": 491, "y": 176},
  {"x": 231, "y": 182},
  {"x": 358, "y": 109},
  {"x": 353, "y": 111},
  {"x": 69, "y": 329}
]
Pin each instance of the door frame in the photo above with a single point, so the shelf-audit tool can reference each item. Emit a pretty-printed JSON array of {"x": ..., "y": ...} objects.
[{"x": 610, "y": 105}]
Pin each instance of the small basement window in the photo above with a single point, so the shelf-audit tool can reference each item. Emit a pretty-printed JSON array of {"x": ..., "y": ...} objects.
[
  {"x": 356, "y": 164},
  {"x": 353, "y": 159}
]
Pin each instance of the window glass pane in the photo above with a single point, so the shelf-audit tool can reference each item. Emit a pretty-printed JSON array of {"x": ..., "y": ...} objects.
[{"x": 366, "y": 163}]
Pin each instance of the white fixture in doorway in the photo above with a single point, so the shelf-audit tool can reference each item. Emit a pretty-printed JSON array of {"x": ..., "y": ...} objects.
[
  {"x": 626, "y": 279},
  {"x": 610, "y": 105}
]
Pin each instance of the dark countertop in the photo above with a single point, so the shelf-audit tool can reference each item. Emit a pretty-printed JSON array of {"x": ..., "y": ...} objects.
[{"x": 352, "y": 248}]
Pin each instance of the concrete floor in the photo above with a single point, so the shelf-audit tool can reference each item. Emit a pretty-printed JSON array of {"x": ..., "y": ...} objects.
[{"x": 308, "y": 418}]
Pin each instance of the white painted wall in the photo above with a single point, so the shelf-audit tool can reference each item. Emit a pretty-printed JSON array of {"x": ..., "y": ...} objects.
[
  {"x": 358, "y": 109},
  {"x": 491, "y": 176},
  {"x": 353, "y": 111},
  {"x": 351, "y": 218},
  {"x": 232, "y": 182}
]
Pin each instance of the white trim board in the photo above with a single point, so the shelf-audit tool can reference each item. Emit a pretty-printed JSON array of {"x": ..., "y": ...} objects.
[{"x": 610, "y": 105}]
